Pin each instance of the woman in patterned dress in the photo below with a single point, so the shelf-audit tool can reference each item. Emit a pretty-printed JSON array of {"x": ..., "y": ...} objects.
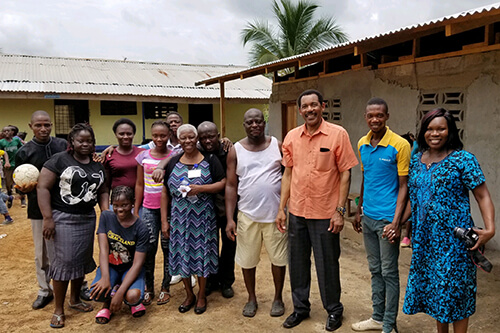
[
  {"x": 193, "y": 227},
  {"x": 442, "y": 278}
]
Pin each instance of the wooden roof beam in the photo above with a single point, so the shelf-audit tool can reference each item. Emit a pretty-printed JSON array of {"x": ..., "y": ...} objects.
[
  {"x": 277, "y": 67},
  {"x": 252, "y": 73},
  {"x": 385, "y": 41},
  {"x": 327, "y": 55},
  {"x": 456, "y": 28}
]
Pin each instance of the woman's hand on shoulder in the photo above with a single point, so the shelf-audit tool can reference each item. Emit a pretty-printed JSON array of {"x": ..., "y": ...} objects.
[{"x": 226, "y": 144}]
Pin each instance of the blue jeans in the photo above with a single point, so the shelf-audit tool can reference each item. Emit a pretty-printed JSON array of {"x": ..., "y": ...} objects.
[
  {"x": 383, "y": 263},
  {"x": 3, "y": 208},
  {"x": 115, "y": 278},
  {"x": 152, "y": 220}
]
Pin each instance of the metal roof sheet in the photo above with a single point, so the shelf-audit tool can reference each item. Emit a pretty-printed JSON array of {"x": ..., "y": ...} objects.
[
  {"x": 470, "y": 12},
  {"x": 35, "y": 74}
]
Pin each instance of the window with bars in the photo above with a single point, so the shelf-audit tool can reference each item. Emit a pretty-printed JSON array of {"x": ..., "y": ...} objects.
[
  {"x": 64, "y": 118},
  {"x": 452, "y": 101},
  {"x": 333, "y": 112},
  {"x": 154, "y": 110}
]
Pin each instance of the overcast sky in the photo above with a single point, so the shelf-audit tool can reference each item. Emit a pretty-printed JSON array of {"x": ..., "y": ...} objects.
[{"x": 183, "y": 31}]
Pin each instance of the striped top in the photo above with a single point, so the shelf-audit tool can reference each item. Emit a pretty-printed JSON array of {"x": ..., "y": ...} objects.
[{"x": 152, "y": 189}]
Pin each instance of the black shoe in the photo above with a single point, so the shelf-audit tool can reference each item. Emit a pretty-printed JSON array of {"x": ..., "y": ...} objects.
[
  {"x": 294, "y": 319},
  {"x": 227, "y": 292},
  {"x": 186, "y": 308},
  {"x": 333, "y": 322},
  {"x": 85, "y": 294},
  {"x": 200, "y": 310},
  {"x": 41, "y": 302}
]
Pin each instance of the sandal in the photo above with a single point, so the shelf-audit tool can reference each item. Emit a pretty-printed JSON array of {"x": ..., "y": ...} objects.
[
  {"x": 250, "y": 309},
  {"x": 102, "y": 317},
  {"x": 59, "y": 321},
  {"x": 277, "y": 309},
  {"x": 148, "y": 297},
  {"x": 138, "y": 310},
  {"x": 164, "y": 298},
  {"x": 82, "y": 307}
]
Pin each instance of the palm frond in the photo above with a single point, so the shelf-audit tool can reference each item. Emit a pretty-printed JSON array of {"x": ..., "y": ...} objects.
[
  {"x": 297, "y": 32},
  {"x": 323, "y": 34}
]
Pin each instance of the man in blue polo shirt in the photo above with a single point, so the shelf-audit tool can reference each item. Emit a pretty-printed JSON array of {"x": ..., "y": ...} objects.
[{"x": 385, "y": 158}]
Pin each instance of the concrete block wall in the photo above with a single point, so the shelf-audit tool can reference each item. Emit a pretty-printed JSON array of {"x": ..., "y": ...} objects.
[{"x": 476, "y": 75}]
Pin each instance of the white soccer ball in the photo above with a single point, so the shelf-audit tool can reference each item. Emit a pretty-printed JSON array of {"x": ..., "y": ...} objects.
[{"x": 25, "y": 174}]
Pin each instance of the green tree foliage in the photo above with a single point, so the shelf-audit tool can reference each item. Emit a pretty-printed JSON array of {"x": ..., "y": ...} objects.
[{"x": 297, "y": 32}]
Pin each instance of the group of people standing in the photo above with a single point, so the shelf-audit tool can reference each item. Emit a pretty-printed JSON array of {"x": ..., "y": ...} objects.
[
  {"x": 10, "y": 142},
  {"x": 188, "y": 185}
]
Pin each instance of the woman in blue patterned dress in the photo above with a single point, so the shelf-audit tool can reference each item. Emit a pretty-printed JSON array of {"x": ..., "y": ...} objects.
[
  {"x": 193, "y": 227},
  {"x": 442, "y": 278}
]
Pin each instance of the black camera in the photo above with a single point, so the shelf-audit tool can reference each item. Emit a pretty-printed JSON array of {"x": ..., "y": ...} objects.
[{"x": 470, "y": 238}]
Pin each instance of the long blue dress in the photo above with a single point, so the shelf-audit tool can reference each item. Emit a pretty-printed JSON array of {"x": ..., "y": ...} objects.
[
  {"x": 193, "y": 226},
  {"x": 442, "y": 278}
]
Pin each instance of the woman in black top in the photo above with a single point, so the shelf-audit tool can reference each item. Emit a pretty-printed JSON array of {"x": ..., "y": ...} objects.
[{"x": 69, "y": 186}]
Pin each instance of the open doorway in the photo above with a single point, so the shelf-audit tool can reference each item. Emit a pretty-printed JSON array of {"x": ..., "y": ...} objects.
[{"x": 199, "y": 113}]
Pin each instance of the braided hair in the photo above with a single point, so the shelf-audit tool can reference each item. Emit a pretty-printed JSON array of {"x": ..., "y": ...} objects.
[
  {"x": 160, "y": 122},
  {"x": 77, "y": 129},
  {"x": 126, "y": 191}
]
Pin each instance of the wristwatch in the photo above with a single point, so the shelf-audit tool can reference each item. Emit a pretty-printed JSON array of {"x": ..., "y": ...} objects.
[{"x": 341, "y": 211}]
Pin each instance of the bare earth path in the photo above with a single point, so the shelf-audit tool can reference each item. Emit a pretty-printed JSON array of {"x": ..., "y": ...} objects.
[{"x": 18, "y": 290}]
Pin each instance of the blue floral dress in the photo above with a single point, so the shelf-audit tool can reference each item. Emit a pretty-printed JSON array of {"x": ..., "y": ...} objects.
[{"x": 442, "y": 278}]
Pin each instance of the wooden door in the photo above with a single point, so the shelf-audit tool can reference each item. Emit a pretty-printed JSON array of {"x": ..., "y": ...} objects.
[{"x": 288, "y": 117}]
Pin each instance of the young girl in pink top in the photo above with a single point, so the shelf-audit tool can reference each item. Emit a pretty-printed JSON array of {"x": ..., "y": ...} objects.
[{"x": 148, "y": 194}]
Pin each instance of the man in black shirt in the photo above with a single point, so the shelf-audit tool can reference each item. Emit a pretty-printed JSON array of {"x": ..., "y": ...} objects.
[
  {"x": 209, "y": 140},
  {"x": 37, "y": 152}
]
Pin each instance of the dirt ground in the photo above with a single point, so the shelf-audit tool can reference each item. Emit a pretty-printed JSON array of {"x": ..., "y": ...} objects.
[{"x": 18, "y": 290}]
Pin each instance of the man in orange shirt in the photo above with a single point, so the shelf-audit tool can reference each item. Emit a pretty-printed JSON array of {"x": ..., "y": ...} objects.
[{"x": 318, "y": 157}]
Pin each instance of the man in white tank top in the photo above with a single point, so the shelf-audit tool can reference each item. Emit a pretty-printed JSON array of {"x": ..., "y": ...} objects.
[{"x": 254, "y": 175}]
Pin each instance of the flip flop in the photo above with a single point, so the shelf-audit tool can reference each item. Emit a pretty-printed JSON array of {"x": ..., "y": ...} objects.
[
  {"x": 250, "y": 309},
  {"x": 148, "y": 297},
  {"x": 163, "y": 298},
  {"x": 82, "y": 307},
  {"x": 138, "y": 310},
  {"x": 60, "y": 321},
  {"x": 103, "y": 314}
]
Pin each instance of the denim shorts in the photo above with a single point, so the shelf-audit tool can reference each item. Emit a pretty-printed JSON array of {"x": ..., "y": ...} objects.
[{"x": 115, "y": 278}]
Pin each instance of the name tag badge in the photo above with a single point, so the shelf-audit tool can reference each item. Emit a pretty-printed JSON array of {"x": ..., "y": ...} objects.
[{"x": 196, "y": 173}]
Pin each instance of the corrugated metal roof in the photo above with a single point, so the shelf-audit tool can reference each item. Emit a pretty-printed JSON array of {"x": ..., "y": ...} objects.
[
  {"x": 433, "y": 22},
  {"x": 34, "y": 74}
]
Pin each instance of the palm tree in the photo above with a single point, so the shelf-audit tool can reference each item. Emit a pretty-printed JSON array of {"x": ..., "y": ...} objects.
[{"x": 297, "y": 32}]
